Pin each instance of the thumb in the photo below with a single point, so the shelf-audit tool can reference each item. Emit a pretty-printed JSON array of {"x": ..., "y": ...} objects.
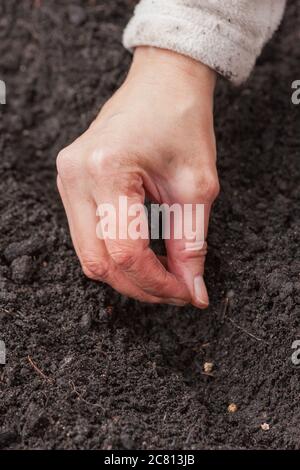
[{"x": 186, "y": 253}]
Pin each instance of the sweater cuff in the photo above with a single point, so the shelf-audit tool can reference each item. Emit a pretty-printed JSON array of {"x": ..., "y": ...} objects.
[{"x": 197, "y": 33}]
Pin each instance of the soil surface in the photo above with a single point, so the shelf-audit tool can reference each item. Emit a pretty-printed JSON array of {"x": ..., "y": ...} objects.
[{"x": 88, "y": 369}]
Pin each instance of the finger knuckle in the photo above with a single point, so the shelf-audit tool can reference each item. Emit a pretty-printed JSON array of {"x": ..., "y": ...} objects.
[
  {"x": 105, "y": 163},
  {"x": 67, "y": 165},
  {"x": 95, "y": 269},
  {"x": 124, "y": 259},
  {"x": 59, "y": 183},
  {"x": 207, "y": 186},
  {"x": 105, "y": 159},
  {"x": 97, "y": 162},
  {"x": 193, "y": 250}
]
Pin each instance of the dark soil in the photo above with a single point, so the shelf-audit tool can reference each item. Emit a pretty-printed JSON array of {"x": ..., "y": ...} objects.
[{"x": 119, "y": 374}]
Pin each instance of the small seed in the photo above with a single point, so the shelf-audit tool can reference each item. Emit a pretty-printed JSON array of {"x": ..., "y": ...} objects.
[
  {"x": 265, "y": 426},
  {"x": 208, "y": 367},
  {"x": 232, "y": 408}
]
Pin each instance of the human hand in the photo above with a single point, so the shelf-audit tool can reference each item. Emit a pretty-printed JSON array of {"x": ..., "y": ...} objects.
[{"x": 153, "y": 138}]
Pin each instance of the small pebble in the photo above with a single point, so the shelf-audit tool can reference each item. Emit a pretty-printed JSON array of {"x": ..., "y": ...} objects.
[
  {"x": 85, "y": 322},
  {"x": 230, "y": 294},
  {"x": 77, "y": 15},
  {"x": 208, "y": 367},
  {"x": 105, "y": 314},
  {"x": 126, "y": 441},
  {"x": 265, "y": 426},
  {"x": 110, "y": 309},
  {"x": 7, "y": 296},
  {"x": 26, "y": 247},
  {"x": 232, "y": 408},
  {"x": 22, "y": 269}
]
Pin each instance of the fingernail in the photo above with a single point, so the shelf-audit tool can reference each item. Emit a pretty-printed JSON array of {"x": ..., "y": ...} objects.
[{"x": 200, "y": 292}]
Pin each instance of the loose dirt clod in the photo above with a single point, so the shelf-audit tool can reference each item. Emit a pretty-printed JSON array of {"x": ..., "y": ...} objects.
[
  {"x": 28, "y": 247},
  {"x": 22, "y": 269}
]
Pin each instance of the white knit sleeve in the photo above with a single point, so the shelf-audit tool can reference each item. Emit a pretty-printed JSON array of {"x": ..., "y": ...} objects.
[{"x": 226, "y": 35}]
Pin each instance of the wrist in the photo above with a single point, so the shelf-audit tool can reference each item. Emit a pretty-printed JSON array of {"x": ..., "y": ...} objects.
[{"x": 162, "y": 63}]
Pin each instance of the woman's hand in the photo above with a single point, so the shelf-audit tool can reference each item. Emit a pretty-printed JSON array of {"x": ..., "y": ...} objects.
[{"x": 154, "y": 137}]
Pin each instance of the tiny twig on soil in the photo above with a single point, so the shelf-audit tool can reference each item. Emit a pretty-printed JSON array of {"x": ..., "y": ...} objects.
[
  {"x": 224, "y": 309},
  {"x": 187, "y": 441},
  {"x": 244, "y": 330},
  {"x": 41, "y": 373},
  {"x": 97, "y": 405},
  {"x": 13, "y": 312},
  {"x": 226, "y": 304}
]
